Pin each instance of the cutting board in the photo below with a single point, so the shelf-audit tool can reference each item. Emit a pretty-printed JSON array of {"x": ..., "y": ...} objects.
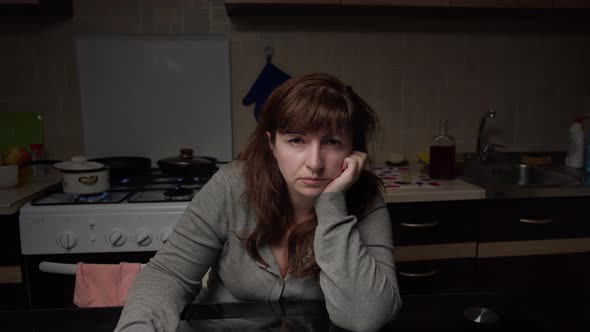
[{"x": 20, "y": 128}]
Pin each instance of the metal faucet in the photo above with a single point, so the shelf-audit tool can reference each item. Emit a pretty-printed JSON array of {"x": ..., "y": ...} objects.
[{"x": 482, "y": 150}]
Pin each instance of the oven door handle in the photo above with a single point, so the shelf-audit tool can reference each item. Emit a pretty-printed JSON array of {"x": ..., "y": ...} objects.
[
  {"x": 57, "y": 268},
  {"x": 60, "y": 268}
]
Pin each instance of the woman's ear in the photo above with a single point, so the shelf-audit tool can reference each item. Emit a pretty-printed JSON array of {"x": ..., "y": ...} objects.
[{"x": 269, "y": 140}]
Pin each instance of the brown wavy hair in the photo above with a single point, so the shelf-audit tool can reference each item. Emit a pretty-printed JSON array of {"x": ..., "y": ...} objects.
[{"x": 313, "y": 103}]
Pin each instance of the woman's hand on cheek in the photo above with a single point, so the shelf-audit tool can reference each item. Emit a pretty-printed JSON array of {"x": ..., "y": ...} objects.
[{"x": 352, "y": 167}]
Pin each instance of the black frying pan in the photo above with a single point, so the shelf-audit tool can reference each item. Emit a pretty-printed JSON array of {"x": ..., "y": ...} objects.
[{"x": 125, "y": 166}]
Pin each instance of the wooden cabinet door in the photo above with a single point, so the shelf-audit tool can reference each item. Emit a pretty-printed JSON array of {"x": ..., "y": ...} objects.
[
  {"x": 436, "y": 276},
  {"x": 528, "y": 273},
  {"x": 534, "y": 219},
  {"x": 408, "y": 3},
  {"x": 503, "y": 3},
  {"x": 434, "y": 222},
  {"x": 571, "y": 3}
]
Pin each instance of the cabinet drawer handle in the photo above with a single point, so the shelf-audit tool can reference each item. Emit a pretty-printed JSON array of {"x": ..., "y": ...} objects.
[
  {"x": 536, "y": 221},
  {"x": 418, "y": 275},
  {"x": 420, "y": 225}
]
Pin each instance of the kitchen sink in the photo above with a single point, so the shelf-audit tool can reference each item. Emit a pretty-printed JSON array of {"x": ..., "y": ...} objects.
[{"x": 516, "y": 174}]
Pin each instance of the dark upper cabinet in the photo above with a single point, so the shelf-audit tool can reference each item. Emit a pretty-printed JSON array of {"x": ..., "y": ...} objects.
[
  {"x": 547, "y": 4},
  {"x": 407, "y": 3},
  {"x": 287, "y": 2},
  {"x": 57, "y": 8},
  {"x": 399, "y": 7},
  {"x": 574, "y": 4}
]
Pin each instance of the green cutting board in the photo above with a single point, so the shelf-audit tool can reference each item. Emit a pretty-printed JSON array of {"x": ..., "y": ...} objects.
[{"x": 20, "y": 128}]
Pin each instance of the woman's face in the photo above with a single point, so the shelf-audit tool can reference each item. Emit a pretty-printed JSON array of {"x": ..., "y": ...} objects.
[{"x": 308, "y": 162}]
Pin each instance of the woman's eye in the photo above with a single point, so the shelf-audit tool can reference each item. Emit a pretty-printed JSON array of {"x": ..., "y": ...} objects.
[
  {"x": 332, "y": 141},
  {"x": 296, "y": 140}
]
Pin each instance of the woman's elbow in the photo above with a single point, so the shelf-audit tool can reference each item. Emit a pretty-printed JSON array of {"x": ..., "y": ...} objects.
[{"x": 371, "y": 316}]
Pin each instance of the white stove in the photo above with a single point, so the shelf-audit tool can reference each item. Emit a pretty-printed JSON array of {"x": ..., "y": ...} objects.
[
  {"x": 135, "y": 215},
  {"x": 87, "y": 228}
]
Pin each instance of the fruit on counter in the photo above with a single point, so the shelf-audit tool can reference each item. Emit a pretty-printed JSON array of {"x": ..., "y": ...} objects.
[
  {"x": 424, "y": 157},
  {"x": 15, "y": 155}
]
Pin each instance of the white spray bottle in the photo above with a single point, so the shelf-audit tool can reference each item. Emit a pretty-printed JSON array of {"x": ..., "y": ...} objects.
[{"x": 575, "y": 153}]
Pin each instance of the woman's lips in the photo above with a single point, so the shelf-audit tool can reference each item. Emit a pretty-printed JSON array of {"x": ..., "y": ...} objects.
[{"x": 313, "y": 181}]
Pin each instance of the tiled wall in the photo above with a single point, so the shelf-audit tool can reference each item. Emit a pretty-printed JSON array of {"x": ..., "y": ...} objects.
[{"x": 413, "y": 71}]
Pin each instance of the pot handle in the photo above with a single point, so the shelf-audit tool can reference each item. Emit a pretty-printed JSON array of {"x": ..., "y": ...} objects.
[
  {"x": 40, "y": 162},
  {"x": 186, "y": 153},
  {"x": 88, "y": 180}
]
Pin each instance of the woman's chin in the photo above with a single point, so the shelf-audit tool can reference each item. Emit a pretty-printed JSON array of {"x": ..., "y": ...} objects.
[{"x": 311, "y": 192}]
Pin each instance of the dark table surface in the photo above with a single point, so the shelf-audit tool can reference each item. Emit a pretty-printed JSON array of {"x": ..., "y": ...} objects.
[{"x": 433, "y": 312}]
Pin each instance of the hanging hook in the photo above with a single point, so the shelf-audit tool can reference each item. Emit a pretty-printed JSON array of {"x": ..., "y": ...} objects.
[{"x": 269, "y": 52}]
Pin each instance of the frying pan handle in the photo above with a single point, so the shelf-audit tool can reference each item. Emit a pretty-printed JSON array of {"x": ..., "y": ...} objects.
[{"x": 40, "y": 162}]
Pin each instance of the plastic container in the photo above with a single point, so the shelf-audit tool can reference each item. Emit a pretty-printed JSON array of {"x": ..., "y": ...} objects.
[
  {"x": 36, "y": 154},
  {"x": 8, "y": 176},
  {"x": 587, "y": 149},
  {"x": 575, "y": 153},
  {"x": 442, "y": 155}
]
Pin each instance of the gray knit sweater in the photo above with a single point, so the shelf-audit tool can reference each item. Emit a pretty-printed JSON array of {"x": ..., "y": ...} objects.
[{"x": 357, "y": 278}]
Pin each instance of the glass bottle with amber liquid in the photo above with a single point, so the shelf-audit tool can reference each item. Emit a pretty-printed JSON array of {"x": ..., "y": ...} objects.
[{"x": 442, "y": 155}]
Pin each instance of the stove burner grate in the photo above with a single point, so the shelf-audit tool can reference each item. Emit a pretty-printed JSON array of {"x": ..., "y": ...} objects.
[
  {"x": 92, "y": 198},
  {"x": 179, "y": 194}
]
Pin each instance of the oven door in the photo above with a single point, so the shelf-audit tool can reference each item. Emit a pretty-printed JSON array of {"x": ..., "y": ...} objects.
[{"x": 47, "y": 290}]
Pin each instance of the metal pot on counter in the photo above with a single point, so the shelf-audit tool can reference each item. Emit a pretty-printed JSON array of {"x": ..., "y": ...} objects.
[
  {"x": 81, "y": 176},
  {"x": 187, "y": 165}
]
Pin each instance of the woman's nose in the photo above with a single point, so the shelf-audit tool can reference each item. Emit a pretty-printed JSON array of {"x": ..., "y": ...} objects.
[{"x": 315, "y": 159}]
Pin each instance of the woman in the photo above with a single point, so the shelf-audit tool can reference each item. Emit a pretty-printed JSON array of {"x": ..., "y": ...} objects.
[{"x": 297, "y": 216}]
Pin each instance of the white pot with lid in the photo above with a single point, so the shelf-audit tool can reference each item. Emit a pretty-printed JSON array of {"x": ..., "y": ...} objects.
[{"x": 83, "y": 177}]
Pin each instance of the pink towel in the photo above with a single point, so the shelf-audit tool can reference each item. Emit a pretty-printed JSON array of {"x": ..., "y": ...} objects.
[{"x": 103, "y": 285}]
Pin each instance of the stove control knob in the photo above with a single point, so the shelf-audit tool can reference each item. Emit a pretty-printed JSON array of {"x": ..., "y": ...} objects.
[
  {"x": 165, "y": 234},
  {"x": 117, "y": 238},
  {"x": 67, "y": 240},
  {"x": 143, "y": 238}
]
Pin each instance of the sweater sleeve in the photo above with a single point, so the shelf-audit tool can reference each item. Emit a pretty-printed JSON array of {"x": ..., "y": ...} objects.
[
  {"x": 173, "y": 276},
  {"x": 357, "y": 266}
]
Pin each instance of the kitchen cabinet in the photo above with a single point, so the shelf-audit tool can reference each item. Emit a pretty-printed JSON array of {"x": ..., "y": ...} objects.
[
  {"x": 61, "y": 8},
  {"x": 436, "y": 276},
  {"x": 13, "y": 296},
  {"x": 281, "y": 7},
  {"x": 434, "y": 222},
  {"x": 11, "y": 285},
  {"x": 534, "y": 219},
  {"x": 547, "y": 4},
  {"x": 574, "y": 4},
  {"x": 435, "y": 245},
  {"x": 409, "y": 3},
  {"x": 534, "y": 244},
  {"x": 494, "y": 244},
  {"x": 398, "y": 7},
  {"x": 556, "y": 272},
  {"x": 283, "y": 2}
]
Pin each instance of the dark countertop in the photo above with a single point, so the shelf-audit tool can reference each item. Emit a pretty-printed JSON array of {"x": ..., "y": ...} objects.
[{"x": 432, "y": 312}]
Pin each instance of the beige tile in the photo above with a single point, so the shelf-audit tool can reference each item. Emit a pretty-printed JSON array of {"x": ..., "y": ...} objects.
[
  {"x": 197, "y": 21},
  {"x": 220, "y": 29},
  {"x": 163, "y": 3},
  {"x": 219, "y": 16},
  {"x": 11, "y": 43},
  {"x": 196, "y": 4},
  {"x": 50, "y": 77}
]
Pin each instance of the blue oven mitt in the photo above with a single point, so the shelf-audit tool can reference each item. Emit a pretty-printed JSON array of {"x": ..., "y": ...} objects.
[{"x": 268, "y": 80}]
